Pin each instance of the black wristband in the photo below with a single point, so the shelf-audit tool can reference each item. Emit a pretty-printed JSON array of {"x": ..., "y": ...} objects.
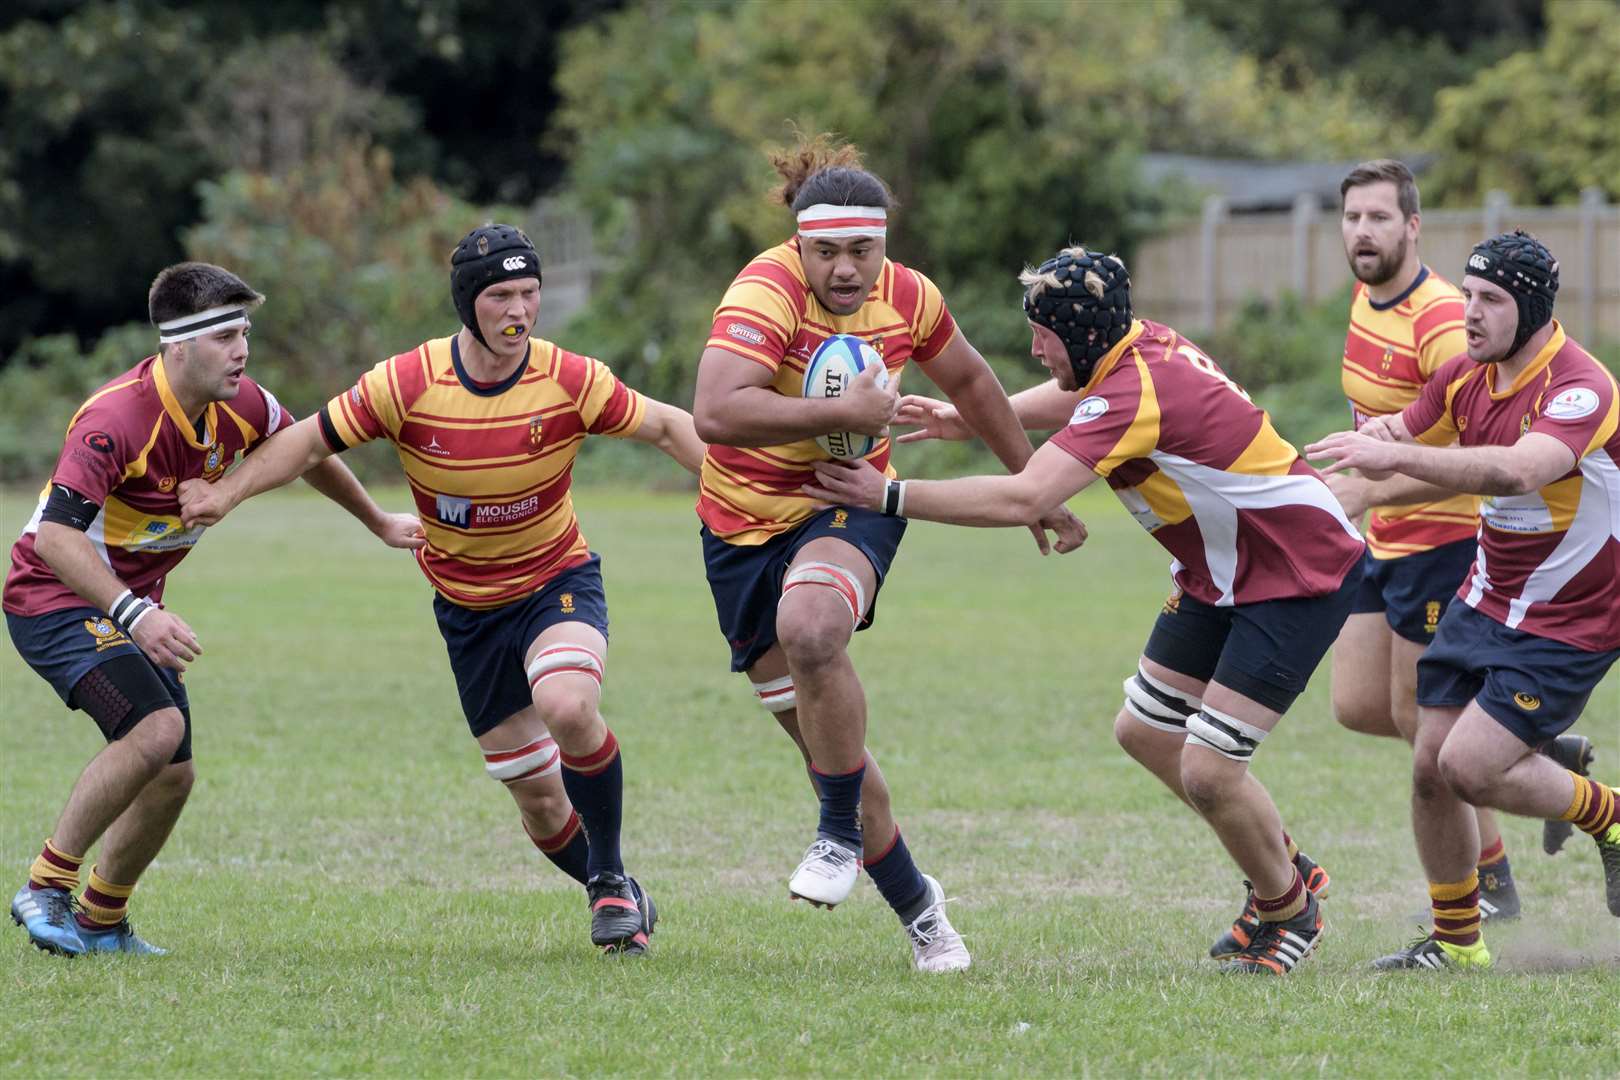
[{"x": 894, "y": 497}]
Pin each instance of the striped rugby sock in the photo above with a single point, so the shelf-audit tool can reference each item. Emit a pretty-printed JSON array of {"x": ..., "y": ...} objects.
[
  {"x": 568, "y": 850},
  {"x": 1594, "y": 807},
  {"x": 1456, "y": 910},
  {"x": 103, "y": 903},
  {"x": 55, "y": 869}
]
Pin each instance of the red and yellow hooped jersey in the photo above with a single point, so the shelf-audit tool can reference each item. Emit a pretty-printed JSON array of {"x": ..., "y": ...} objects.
[
  {"x": 770, "y": 316},
  {"x": 1200, "y": 467},
  {"x": 1390, "y": 351},
  {"x": 129, "y": 448},
  {"x": 1549, "y": 560},
  {"x": 489, "y": 466}
]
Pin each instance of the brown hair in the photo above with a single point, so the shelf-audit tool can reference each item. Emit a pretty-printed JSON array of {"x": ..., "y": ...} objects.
[
  {"x": 189, "y": 287},
  {"x": 1385, "y": 170},
  {"x": 821, "y": 169}
]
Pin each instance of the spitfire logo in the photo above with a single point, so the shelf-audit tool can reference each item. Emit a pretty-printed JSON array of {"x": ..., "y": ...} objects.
[
  {"x": 534, "y": 431},
  {"x": 566, "y": 603},
  {"x": 745, "y": 333},
  {"x": 1478, "y": 262},
  {"x": 840, "y": 519},
  {"x": 514, "y": 262}
]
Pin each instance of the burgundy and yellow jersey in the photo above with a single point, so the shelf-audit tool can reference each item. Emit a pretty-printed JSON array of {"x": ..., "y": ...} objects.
[
  {"x": 1199, "y": 466},
  {"x": 489, "y": 466},
  {"x": 770, "y": 316},
  {"x": 129, "y": 448},
  {"x": 1549, "y": 560},
  {"x": 1390, "y": 351}
]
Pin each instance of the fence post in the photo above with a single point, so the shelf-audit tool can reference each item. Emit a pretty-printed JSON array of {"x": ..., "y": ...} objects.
[
  {"x": 1306, "y": 209},
  {"x": 1214, "y": 214},
  {"x": 1591, "y": 208},
  {"x": 1497, "y": 204}
]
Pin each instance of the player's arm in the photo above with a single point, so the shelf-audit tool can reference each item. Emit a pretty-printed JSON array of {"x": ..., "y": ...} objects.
[
  {"x": 671, "y": 430},
  {"x": 1051, "y": 477},
  {"x": 1358, "y": 493},
  {"x": 1040, "y": 408},
  {"x": 1533, "y": 462},
  {"x": 735, "y": 405},
  {"x": 333, "y": 479},
  {"x": 61, "y": 541},
  {"x": 289, "y": 453}
]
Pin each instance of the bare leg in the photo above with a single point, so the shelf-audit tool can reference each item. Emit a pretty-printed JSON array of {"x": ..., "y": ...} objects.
[{"x": 114, "y": 778}]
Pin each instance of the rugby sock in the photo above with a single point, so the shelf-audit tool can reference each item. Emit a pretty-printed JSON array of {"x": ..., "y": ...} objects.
[
  {"x": 899, "y": 880},
  {"x": 840, "y": 805},
  {"x": 569, "y": 850},
  {"x": 1293, "y": 848},
  {"x": 1494, "y": 871},
  {"x": 55, "y": 869},
  {"x": 103, "y": 905},
  {"x": 1456, "y": 910},
  {"x": 595, "y": 785},
  {"x": 1593, "y": 809},
  {"x": 1284, "y": 907}
]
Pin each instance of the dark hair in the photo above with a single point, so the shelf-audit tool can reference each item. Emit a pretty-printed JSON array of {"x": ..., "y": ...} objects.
[
  {"x": 189, "y": 287},
  {"x": 820, "y": 169},
  {"x": 1385, "y": 170}
]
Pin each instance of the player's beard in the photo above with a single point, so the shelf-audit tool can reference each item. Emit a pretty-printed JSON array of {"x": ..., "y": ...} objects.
[{"x": 1387, "y": 266}]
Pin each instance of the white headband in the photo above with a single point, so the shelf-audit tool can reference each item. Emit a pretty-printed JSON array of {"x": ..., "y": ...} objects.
[
  {"x": 204, "y": 322},
  {"x": 824, "y": 221}
]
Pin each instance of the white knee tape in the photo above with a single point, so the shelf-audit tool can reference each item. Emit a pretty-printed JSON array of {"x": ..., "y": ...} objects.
[
  {"x": 830, "y": 576},
  {"x": 564, "y": 660},
  {"x": 1158, "y": 704},
  {"x": 539, "y": 758},
  {"x": 1226, "y": 735},
  {"x": 777, "y": 695}
]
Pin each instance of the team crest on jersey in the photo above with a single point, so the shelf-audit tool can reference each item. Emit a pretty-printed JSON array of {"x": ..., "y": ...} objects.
[
  {"x": 214, "y": 462},
  {"x": 1088, "y": 410},
  {"x": 1462, "y": 424},
  {"x": 566, "y": 603},
  {"x": 840, "y": 519},
  {"x": 1527, "y": 702},
  {"x": 1572, "y": 404},
  {"x": 1524, "y": 424},
  {"x": 534, "y": 431},
  {"x": 166, "y": 484},
  {"x": 1389, "y": 357},
  {"x": 106, "y": 632}
]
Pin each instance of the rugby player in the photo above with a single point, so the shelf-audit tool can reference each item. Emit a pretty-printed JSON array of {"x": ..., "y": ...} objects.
[
  {"x": 791, "y": 581},
  {"x": 1265, "y": 562},
  {"x": 1537, "y": 423},
  {"x": 487, "y": 423},
  {"x": 84, "y": 596}
]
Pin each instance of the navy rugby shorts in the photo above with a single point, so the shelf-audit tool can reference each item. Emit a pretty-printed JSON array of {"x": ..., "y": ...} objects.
[{"x": 1414, "y": 591}]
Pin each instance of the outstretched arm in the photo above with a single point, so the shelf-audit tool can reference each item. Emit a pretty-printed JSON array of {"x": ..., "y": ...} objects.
[
  {"x": 1533, "y": 462},
  {"x": 1040, "y": 408},
  {"x": 288, "y": 453},
  {"x": 333, "y": 479},
  {"x": 672, "y": 431}
]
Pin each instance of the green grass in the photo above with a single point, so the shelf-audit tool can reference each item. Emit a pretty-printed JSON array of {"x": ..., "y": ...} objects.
[{"x": 348, "y": 894}]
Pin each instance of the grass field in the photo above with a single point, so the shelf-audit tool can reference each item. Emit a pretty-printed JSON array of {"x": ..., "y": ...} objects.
[{"x": 347, "y": 894}]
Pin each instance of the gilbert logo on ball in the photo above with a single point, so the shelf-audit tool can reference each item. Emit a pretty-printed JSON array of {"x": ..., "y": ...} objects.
[{"x": 836, "y": 363}]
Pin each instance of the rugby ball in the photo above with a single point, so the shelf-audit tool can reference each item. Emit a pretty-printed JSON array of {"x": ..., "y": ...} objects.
[{"x": 838, "y": 360}]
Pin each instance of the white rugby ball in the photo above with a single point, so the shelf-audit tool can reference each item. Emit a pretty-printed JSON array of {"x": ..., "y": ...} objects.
[{"x": 838, "y": 360}]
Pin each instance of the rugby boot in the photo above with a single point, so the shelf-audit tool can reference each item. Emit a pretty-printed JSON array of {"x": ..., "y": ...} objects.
[
  {"x": 826, "y": 874},
  {"x": 1276, "y": 948},
  {"x": 47, "y": 915},
  {"x": 119, "y": 938},
  {"x": 935, "y": 944},
  {"x": 1498, "y": 896},
  {"x": 1575, "y": 753},
  {"x": 616, "y": 915},
  {"x": 638, "y": 943},
  {"x": 1609, "y": 850},
  {"x": 1234, "y": 940},
  {"x": 1427, "y": 954}
]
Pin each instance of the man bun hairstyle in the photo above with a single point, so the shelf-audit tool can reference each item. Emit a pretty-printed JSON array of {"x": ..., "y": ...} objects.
[
  {"x": 487, "y": 255},
  {"x": 191, "y": 287},
  {"x": 1522, "y": 265},
  {"x": 1385, "y": 170},
  {"x": 1085, "y": 299},
  {"x": 820, "y": 169}
]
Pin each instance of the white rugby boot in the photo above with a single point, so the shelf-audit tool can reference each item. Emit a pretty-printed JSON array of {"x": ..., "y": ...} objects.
[
  {"x": 935, "y": 944},
  {"x": 826, "y": 874}
]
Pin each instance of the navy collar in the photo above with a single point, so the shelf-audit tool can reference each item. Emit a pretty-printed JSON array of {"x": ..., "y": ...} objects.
[
  {"x": 1422, "y": 276},
  {"x": 473, "y": 385}
]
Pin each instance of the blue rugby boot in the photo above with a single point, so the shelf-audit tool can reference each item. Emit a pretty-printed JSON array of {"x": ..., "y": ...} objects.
[
  {"x": 47, "y": 915},
  {"x": 119, "y": 937}
]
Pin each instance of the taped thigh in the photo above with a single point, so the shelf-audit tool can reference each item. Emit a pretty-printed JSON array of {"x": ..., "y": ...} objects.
[
  {"x": 777, "y": 695},
  {"x": 538, "y": 758},
  {"x": 1158, "y": 704},
  {"x": 1224, "y": 734},
  {"x": 829, "y": 576},
  {"x": 564, "y": 659}
]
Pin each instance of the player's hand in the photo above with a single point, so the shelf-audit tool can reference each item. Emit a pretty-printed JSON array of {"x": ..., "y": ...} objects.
[
  {"x": 203, "y": 503},
  {"x": 1070, "y": 530},
  {"x": 1374, "y": 458},
  {"x": 166, "y": 640},
  {"x": 1381, "y": 428},
  {"x": 1353, "y": 492},
  {"x": 401, "y": 531},
  {"x": 935, "y": 419},
  {"x": 868, "y": 407},
  {"x": 848, "y": 483}
]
